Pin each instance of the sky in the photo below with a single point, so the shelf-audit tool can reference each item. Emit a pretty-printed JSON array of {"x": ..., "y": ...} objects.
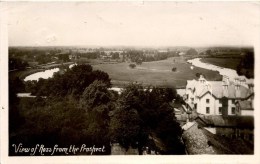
[{"x": 133, "y": 23}]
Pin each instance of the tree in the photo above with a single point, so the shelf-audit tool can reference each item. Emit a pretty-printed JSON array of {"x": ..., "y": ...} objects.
[
  {"x": 209, "y": 52},
  {"x": 139, "y": 62},
  {"x": 192, "y": 52},
  {"x": 132, "y": 66},
  {"x": 143, "y": 112},
  {"x": 246, "y": 65},
  {"x": 15, "y": 118},
  {"x": 17, "y": 63},
  {"x": 97, "y": 102},
  {"x": 115, "y": 55},
  {"x": 64, "y": 57},
  {"x": 95, "y": 94},
  {"x": 71, "y": 82},
  {"x": 125, "y": 127},
  {"x": 198, "y": 75}
]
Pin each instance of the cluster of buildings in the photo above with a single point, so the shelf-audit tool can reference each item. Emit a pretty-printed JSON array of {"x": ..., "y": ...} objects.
[
  {"x": 224, "y": 97},
  {"x": 219, "y": 116}
]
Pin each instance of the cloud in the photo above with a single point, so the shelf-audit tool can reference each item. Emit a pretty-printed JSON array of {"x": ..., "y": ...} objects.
[{"x": 51, "y": 38}]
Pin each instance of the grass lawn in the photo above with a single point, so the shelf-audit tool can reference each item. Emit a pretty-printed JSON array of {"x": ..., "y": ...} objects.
[
  {"x": 223, "y": 62},
  {"x": 155, "y": 73}
]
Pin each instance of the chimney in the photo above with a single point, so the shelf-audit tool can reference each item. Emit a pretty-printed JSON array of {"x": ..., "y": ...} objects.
[
  {"x": 225, "y": 79},
  {"x": 242, "y": 81},
  {"x": 236, "y": 80},
  {"x": 208, "y": 86},
  {"x": 251, "y": 88},
  {"x": 237, "y": 90},
  {"x": 202, "y": 79},
  {"x": 225, "y": 89}
]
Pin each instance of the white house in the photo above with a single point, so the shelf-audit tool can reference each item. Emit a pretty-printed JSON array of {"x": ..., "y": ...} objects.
[{"x": 218, "y": 97}]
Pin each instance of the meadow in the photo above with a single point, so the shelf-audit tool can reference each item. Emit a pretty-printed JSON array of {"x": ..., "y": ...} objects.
[{"x": 158, "y": 73}]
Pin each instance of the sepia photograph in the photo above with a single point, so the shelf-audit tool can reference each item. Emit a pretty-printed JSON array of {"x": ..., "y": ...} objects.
[{"x": 165, "y": 79}]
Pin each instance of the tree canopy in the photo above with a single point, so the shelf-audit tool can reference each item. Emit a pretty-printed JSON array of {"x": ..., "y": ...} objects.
[
  {"x": 144, "y": 112},
  {"x": 79, "y": 108},
  {"x": 246, "y": 65},
  {"x": 192, "y": 52},
  {"x": 73, "y": 81}
]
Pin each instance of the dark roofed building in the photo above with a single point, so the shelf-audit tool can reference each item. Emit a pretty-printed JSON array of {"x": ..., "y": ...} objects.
[
  {"x": 217, "y": 135},
  {"x": 245, "y": 108}
]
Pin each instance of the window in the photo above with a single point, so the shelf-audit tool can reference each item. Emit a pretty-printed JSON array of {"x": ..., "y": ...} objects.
[
  {"x": 220, "y": 110},
  {"x": 207, "y": 100},
  {"x": 233, "y": 110},
  {"x": 195, "y": 106},
  {"x": 220, "y": 101},
  {"x": 207, "y": 110},
  {"x": 233, "y": 101}
]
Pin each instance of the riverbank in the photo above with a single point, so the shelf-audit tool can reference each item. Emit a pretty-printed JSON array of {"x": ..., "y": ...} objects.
[
  {"x": 22, "y": 74},
  {"x": 230, "y": 63},
  {"x": 232, "y": 74},
  {"x": 43, "y": 74}
]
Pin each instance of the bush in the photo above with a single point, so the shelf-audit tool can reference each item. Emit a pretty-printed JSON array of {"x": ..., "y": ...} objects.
[
  {"x": 132, "y": 66},
  {"x": 174, "y": 69}
]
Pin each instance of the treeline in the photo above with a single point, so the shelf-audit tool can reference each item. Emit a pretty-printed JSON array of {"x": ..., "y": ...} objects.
[
  {"x": 89, "y": 55},
  {"x": 147, "y": 56},
  {"x": 42, "y": 56},
  {"x": 246, "y": 65},
  {"x": 225, "y": 52},
  {"x": 74, "y": 81},
  {"x": 17, "y": 64},
  {"x": 80, "y": 109}
]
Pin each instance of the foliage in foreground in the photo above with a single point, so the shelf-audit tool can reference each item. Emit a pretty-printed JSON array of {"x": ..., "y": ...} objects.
[
  {"x": 146, "y": 112},
  {"x": 84, "y": 111}
]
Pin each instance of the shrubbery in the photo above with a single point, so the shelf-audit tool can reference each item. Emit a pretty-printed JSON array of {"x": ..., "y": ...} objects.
[{"x": 132, "y": 66}]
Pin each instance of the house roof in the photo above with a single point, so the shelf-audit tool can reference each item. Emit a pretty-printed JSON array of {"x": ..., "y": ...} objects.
[
  {"x": 226, "y": 121},
  {"x": 188, "y": 125},
  {"x": 245, "y": 105},
  {"x": 216, "y": 88},
  {"x": 200, "y": 141}
]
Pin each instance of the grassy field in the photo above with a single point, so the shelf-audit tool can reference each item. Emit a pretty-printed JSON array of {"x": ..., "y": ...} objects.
[
  {"x": 155, "y": 73},
  {"x": 223, "y": 62}
]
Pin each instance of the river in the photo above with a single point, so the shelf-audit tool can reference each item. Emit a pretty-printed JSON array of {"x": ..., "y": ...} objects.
[
  {"x": 232, "y": 74},
  {"x": 44, "y": 74}
]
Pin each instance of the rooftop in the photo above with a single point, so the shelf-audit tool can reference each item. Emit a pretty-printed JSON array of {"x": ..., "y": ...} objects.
[
  {"x": 200, "y": 141},
  {"x": 226, "y": 121},
  {"x": 217, "y": 89},
  {"x": 245, "y": 105}
]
